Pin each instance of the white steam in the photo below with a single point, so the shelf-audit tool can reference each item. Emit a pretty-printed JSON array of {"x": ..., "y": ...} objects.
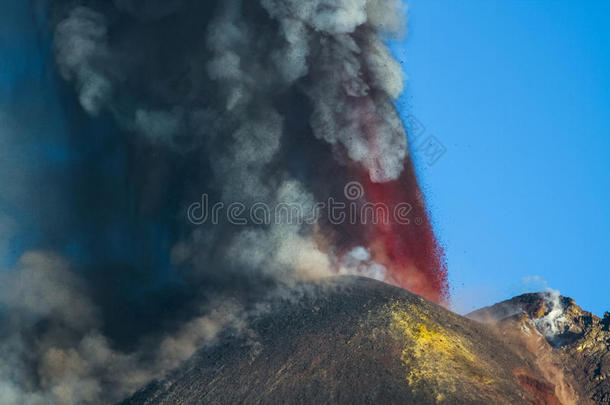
[
  {"x": 552, "y": 323},
  {"x": 358, "y": 262}
]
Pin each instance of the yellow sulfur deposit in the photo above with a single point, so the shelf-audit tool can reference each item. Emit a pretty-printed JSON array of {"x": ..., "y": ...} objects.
[{"x": 433, "y": 355}]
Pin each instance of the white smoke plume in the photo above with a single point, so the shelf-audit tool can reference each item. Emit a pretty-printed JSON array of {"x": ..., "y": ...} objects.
[
  {"x": 358, "y": 261},
  {"x": 553, "y": 322}
]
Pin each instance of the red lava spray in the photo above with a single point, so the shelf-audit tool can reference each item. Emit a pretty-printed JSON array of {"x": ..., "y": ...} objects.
[{"x": 405, "y": 243}]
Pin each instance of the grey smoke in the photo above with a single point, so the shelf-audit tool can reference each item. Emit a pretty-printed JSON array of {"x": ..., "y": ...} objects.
[
  {"x": 80, "y": 40},
  {"x": 205, "y": 86},
  {"x": 53, "y": 350}
]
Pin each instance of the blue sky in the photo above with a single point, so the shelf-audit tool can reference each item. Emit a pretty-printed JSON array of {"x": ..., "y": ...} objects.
[{"x": 519, "y": 94}]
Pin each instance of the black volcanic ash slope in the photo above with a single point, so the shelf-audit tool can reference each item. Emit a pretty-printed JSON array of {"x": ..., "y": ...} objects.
[{"x": 353, "y": 341}]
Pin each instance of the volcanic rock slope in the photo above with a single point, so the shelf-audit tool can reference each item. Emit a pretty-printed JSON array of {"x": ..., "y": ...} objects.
[
  {"x": 570, "y": 345},
  {"x": 353, "y": 340}
]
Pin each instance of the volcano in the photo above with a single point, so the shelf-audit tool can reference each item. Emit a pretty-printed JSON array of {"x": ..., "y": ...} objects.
[{"x": 353, "y": 340}]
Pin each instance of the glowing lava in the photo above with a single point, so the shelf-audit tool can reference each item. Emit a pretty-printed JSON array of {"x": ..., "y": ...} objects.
[{"x": 405, "y": 244}]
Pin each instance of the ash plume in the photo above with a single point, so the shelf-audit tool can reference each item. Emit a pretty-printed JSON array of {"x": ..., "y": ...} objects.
[{"x": 263, "y": 101}]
